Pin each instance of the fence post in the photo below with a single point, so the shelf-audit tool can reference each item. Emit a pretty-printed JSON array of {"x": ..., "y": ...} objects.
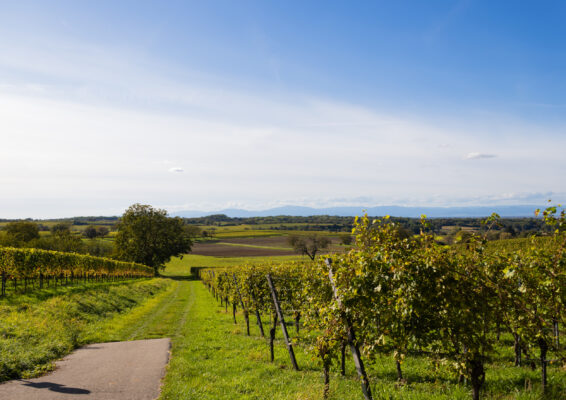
[
  {"x": 245, "y": 311},
  {"x": 283, "y": 327},
  {"x": 351, "y": 339}
]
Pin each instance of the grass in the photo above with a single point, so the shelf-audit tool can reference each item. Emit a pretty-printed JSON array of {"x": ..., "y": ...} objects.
[
  {"x": 212, "y": 358},
  {"x": 38, "y": 328},
  {"x": 182, "y": 266}
]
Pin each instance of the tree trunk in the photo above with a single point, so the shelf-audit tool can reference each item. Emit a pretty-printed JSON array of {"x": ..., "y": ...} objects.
[
  {"x": 326, "y": 380},
  {"x": 234, "y": 312},
  {"x": 498, "y": 328},
  {"x": 272, "y": 337},
  {"x": 543, "y": 350},
  {"x": 247, "y": 318},
  {"x": 343, "y": 360},
  {"x": 297, "y": 320},
  {"x": 477, "y": 373},
  {"x": 399, "y": 372},
  {"x": 259, "y": 323},
  {"x": 517, "y": 348}
]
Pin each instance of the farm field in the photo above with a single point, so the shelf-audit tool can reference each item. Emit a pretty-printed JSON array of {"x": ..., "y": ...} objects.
[{"x": 255, "y": 246}]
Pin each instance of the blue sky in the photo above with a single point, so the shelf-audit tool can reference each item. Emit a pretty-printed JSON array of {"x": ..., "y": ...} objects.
[{"x": 254, "y": 104}]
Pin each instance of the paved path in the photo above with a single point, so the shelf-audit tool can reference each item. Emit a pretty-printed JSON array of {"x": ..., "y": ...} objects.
[{"x": 104, "y": 371}]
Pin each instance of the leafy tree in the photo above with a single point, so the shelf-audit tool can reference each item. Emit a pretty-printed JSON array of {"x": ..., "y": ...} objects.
[
  {"x": 308, "y": 245},
  {"x": 90, "y": 232},
  {"x": 147, "y": 235},
  {"x": 61, "y": 239},
  {"x": 102, "y": 231},
  {"x": 60, "y": 229},
  {"x": 20, "y": 232},
  {"x": 193, "y": 231}
]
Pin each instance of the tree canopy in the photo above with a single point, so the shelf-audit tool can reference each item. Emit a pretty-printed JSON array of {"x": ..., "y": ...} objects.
[
  {"x": 308, "y": 245},
  {"x": 148, "y": 236},
  {"x": 20, "y": 232}
]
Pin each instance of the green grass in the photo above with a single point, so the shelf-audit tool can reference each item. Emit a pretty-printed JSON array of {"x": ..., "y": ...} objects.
[
  {"x": 38, "y": 328},
  {"x": 212, "y": 358},
  {"x": 182, "y": 267}
]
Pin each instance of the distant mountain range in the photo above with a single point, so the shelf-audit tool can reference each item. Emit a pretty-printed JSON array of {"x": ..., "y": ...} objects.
[{"x": 394, "y": 211}]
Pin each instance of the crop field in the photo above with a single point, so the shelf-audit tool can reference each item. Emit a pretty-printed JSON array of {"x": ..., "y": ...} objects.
[{"x": 254, "y": 246}]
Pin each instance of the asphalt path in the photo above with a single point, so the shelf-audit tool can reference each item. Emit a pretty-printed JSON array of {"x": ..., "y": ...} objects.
[{"x": 104, "y": 371}]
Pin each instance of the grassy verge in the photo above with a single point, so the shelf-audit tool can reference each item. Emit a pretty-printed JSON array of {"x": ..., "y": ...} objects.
[
  {"x": 212, "y": 358},
  {"x": 182, "y": 266},
  {"x": 38, "y": 328}
]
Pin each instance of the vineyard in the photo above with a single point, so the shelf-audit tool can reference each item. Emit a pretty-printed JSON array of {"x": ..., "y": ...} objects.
[
  {"x": 412, "y": 296},
  {"x": 31, "y": 269}
]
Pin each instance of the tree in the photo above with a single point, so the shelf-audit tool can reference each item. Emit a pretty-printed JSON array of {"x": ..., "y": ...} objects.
[
  {"x": 308, "y": 245},
  {"x": 193, "y": 231},
  {"x": 62, "y": 239},
  {"x": 346, "y": 239},
  {"x": 60, "y": 229},
  {"x": 148, "y": 236},
  {"x": 90, "y": 232},
  {"x": 102, "y": 231},
  {"x": 20, "y": 232}
]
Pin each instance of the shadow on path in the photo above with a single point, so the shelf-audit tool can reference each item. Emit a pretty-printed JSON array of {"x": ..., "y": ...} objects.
[
  {"x": 181, "y": 277},
  {"x": 55, "y": 387}
]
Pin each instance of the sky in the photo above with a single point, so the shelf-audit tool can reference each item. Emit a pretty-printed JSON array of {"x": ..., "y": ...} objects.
[{"x": 208, "y": 105}]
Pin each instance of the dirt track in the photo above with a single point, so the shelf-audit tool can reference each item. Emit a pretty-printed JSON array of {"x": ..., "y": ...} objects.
[{"x": 105, "y": 371}]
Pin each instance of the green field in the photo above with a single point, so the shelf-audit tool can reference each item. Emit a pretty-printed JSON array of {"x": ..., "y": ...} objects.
[{"x": 182, "y": 266}]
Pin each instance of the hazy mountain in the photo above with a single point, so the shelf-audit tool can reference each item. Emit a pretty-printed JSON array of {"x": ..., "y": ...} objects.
[{"x": 395, "y": 211}]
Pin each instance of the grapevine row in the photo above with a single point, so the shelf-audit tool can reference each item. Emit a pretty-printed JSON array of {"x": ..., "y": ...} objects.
[
  {"x": 34, "y": 267},
  {"x": 406, "y": 295}
]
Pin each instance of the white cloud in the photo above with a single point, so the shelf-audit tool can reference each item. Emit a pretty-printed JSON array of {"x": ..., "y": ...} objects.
[
  {"x": 105, "y": 132},
  {"x": 477, "y": 156}
]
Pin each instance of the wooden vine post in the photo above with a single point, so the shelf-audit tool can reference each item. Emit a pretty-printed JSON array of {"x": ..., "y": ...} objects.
[
  {"x": 282, "y": 321},
  {"x": 233, "y": 304},
  {"x": 244, "y": 309},
  {"x": 351, "y": 339},
  {"x": 258, "y": 317}
]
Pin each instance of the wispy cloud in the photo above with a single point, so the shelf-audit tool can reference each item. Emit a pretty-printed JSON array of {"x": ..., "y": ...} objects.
[
  {"x": 240, "y": 146},
  {"x": 478, "y": 156}
]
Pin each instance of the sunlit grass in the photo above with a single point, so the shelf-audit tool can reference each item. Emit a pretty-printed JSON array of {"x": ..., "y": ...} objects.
[
  {"x": 182, "y": 266},
  {"x": 38, "y": 328},
  {"x": 214, "y": 359}
]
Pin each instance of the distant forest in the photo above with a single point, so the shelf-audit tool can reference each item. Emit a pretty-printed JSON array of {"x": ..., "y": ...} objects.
[{"x": 511, "y": 227}]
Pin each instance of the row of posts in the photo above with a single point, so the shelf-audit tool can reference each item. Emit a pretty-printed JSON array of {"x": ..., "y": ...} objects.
[{"x": 351, "y": 338}]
